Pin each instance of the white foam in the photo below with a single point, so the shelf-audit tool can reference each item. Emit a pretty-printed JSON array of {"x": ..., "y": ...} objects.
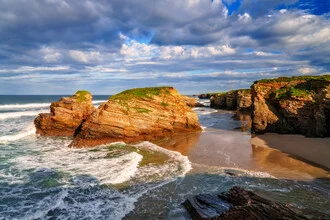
[
  {"x": 83, "y": 161},
  {"x": 99, "y": 101},
  {"x": 24, "y": 106},
  {"x": 30, "y": 130},
  {"x": 18, "y": 114}
]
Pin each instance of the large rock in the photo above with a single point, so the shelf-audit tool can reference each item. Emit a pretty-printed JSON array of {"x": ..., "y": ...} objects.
[
  {"x": 297, "y": 105},
  {"x": 65, "y": 116},
  {"x": 232, "y": 100},
  {"x": 191, "y": 102},
  {"x": 239, "y": 203},
  {"x": 137, "y": 114}
]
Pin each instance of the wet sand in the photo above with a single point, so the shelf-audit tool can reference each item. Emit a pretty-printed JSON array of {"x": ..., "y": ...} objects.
[
  {"x": 315, "y": 150},
  {"x": 216, "y": 149}
]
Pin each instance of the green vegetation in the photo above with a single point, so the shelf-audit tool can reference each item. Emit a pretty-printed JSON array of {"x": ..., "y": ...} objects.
[
  {"x": 289, "y": 79},
  {"x": 149, "y": 157},
  {"x": 142, "y": 110},
  {"x": 148, "y": 93},
  {"x": 286, "y": 92},
  {"x": 81, "y": 95},
  {"x": 164, "y": 104}
]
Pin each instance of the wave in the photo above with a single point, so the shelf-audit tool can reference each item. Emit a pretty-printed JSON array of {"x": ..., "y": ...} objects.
[
  {"x": 18, "y": 114},
  {"x": 24, "y": 106},
  {"x": 99, "y": 101},
  {"x": 27, "y": 132},
  {"x": 36, "y": 105}
]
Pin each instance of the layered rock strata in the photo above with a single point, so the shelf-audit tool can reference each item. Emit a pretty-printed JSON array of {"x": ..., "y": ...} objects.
[
  {"x": 136, "y": 115},
  {"x": 297, "y": 105},
  {"x": 232, "y": 100},
  {"x": 65, "y": 116}
]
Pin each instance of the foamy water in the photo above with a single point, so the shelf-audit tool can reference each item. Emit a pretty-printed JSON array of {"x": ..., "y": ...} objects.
[{"x": 41, "y": 178}]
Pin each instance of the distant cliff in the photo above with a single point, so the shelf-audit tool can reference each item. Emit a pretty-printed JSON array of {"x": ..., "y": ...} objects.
[
  {"x": 232, "y": 100},
  {"x": 296, "y": 105}
]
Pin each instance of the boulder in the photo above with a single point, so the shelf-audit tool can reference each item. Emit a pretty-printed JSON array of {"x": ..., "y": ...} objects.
[
  {"x": 65, "y": 116},
  {"x": 136, "y": 115},
  {"x": 239, "y": 203},
  {"x": 297, "y": 105}
]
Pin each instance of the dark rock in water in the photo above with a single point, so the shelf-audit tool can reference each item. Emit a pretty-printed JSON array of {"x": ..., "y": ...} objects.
[
  {"x": 206, "y": 206},
  {"x": 239, "y": 203}
]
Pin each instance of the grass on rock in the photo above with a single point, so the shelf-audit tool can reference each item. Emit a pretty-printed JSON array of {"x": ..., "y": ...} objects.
[{"x": 81, "y": 95}]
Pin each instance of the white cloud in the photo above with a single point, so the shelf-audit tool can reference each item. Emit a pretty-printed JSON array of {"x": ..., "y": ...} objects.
[
  {"x": 86, "y": 57},
  {"x": 244, "y": 18},
  {"x": 26, "y": 69}
]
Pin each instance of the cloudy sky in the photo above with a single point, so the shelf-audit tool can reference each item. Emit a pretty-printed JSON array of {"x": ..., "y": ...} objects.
[{"x": 106, "y": 46}]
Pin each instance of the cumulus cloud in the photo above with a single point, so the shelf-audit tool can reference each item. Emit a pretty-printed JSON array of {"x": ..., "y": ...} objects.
[{"x": 204, "y": 43}]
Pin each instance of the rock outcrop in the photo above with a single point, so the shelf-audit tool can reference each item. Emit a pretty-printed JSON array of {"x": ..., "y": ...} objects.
[
  {"x": 239, "y": 203},
  {"x": 297, "y": 105},
  {"x": 191, "y": 102},
  {"x": 135, "y": 115},
  {"x": 232, "y": 100},
  {"x": 65, "y": 116}
]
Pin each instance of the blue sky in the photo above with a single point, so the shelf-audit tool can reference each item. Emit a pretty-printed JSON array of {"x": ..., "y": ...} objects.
[{"x": 106, "y": 46}]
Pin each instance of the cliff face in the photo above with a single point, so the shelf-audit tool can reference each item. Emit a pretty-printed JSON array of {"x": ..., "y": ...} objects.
[
  {"x": 137, "y": 114},
  {"x": 232, "y": 100},
  {"x": 298, "y": 105},
  {"x": 65, "y": 115}
]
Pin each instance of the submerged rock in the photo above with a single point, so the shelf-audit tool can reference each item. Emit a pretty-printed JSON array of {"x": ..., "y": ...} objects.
[
  {"x": 136, "y": 115},
  {"x": 239, "y": 203},
  {"x": 297, "y": 105},
  {"x": 65, "y": 116}
]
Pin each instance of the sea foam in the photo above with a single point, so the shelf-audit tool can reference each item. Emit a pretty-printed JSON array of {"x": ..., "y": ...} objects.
[{"x": 7, "y": 115}]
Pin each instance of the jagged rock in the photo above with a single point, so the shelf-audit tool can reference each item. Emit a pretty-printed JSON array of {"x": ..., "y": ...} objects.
[
  {"x": 136, "y": 115},
  {"x": 191, "y": 102},
  {"x": 297, "y": 105},
  {"x": 65, "y": 115},
  {"x": 239, "y": 203},
  {"x": 232, "y": 100}
]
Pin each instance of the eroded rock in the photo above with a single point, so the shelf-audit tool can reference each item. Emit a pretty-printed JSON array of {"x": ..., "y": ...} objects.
[
  {"x": 297, "y": 105},
  {"x": 65, "y": 116},
  {"x": 136, "y": 115}
]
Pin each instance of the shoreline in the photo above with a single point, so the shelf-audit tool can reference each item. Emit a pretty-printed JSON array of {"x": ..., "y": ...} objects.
[{"x": 313, "y": 150}]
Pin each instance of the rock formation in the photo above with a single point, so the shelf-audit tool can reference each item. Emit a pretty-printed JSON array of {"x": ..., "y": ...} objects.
[
  {"x": 135, "y": 115},
  {"x": 191, "y": 102},
  {"x": 65, "y": 116},
  {"x": 297, "y": 105},
  {"x": 232, "y": 100},
  {"x": 239, "y": 203}
]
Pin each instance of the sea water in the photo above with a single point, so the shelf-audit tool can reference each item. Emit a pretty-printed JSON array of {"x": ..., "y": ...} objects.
[{"x": 41, "y": 178}]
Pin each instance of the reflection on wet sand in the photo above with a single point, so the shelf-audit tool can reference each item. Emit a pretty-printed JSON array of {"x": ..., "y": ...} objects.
[
  {"x": 283, "y": 165},
  {"x": 227, "y": 143},
  {"x": 182, "y": 143}
]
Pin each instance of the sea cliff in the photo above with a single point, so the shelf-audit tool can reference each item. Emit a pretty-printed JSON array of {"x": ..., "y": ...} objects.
[
  {"x": 296, "y": 105},
  {"x": 130, "y": 116}
]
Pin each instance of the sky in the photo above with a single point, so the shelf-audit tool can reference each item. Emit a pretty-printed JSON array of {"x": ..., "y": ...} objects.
[{"x": 196, "y": 46}]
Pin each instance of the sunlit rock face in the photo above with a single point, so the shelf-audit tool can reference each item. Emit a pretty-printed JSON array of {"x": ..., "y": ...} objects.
[
  {"x": 136, "y": 115},
  {"x": 297, "y": 105},
  {"x": 65, "y": 115}
]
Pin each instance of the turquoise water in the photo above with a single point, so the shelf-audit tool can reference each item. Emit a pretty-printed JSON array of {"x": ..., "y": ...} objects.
[{"x": 41, "y": 178}]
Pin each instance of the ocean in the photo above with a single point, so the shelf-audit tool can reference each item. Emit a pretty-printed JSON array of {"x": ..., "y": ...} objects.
[{"x": 41, "y": 178}]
